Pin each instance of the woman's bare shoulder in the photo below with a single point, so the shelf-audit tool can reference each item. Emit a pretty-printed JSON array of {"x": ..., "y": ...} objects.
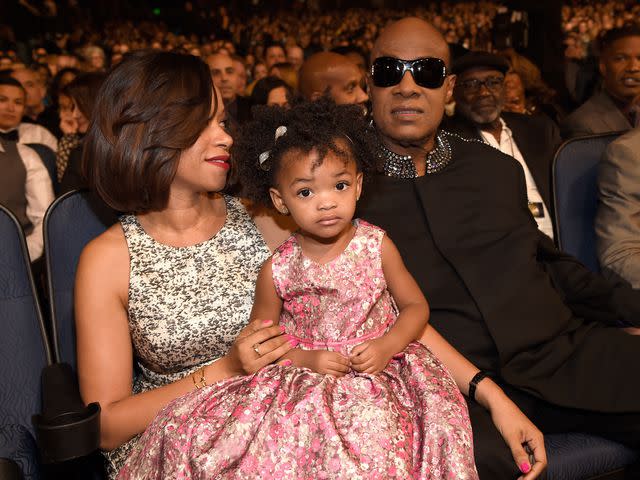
[
  {"x": 274, "y": 227},
  {"x": 108, "y": 250}
]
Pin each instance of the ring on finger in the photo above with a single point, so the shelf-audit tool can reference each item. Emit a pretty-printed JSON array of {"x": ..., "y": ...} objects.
[{"x": 256, "y": 348}]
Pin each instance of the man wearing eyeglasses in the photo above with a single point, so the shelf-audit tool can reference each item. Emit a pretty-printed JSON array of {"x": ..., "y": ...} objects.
[
  {"x": 532, "y": 318},
  {"x": 479, "y": 94}
]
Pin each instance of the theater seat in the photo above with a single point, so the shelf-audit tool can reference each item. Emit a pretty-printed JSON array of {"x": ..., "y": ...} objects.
[
  {"x": 578, "y": 456},
  {"x": 575, "y": 177},
  {"x": 24, "y": 352},
  {"x": 69, "y": 224}
]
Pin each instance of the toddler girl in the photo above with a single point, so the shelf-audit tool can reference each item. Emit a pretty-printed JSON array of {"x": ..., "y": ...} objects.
[{"x": 358, "y": 398}]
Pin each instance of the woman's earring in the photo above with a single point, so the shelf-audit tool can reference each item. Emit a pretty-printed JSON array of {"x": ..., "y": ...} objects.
[{"x": 284, "y": 210}]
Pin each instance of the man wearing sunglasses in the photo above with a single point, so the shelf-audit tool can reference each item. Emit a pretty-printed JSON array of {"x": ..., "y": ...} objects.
[
  {"x": 532, "y": 140},
  {"x": 457, "y": 210}
]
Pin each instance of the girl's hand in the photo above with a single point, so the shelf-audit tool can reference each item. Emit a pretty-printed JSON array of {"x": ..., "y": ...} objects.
[
  {"x": 372, "y": 356},
  {"x": 323, "y": 361},
  {"x": 257, "y": 345}
]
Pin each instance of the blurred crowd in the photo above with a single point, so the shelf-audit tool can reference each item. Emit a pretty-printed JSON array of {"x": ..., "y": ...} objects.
[{"x": 255, "y": 53}]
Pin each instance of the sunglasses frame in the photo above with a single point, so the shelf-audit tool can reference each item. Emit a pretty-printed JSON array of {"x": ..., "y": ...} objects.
[{"x": 408, "y": 66}]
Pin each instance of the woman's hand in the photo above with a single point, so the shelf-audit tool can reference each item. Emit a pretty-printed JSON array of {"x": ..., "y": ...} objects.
[
  {"x": 68, "y": 124},
  {"x": 372, "y": 356},
  {"x": 520, "y": 434},
  {"x": 257, "y": 345}
]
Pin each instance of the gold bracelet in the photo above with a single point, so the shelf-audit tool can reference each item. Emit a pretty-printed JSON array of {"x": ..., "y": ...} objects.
[{"x": 202, "y": 381}]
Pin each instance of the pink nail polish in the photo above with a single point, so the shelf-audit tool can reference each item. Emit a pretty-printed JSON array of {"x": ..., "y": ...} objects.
[
  {"x": 267, "y": 322},
  {"x": 525, "y": 467},
  {"x": 286, "y": 363},
  {"x": 293, "y": 343}
]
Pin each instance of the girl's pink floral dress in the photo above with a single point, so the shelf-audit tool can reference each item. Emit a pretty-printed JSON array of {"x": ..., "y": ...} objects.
[{"x": 410, "y": 421}]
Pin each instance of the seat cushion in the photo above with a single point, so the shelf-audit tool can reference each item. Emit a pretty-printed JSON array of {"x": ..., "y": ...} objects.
[
  {"x": 17, "y": 444},
  {"x": 577, "y": 456}
]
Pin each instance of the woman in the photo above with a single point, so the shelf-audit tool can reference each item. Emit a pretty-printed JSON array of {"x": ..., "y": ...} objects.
[
  {"x": 82, "y": 93},
  {"x": 170, "y": 287},
  {"x": 272, "y": 91}
]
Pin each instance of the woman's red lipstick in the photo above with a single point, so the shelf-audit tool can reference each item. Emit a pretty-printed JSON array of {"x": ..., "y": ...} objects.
[{"x": 220, "y": 161}]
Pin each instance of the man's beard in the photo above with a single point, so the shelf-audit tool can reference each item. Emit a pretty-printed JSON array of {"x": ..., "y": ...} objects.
[{"x": 479, "y": 118}]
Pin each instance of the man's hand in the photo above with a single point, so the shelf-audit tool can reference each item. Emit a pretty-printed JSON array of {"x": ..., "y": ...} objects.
[{"x": 372, "y": 356}]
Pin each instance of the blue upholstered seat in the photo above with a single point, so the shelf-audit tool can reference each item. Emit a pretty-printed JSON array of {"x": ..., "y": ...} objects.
[
  {"x": 575, "y": 177},
  {"x": 24, "y": 351},
  {"x": 578, "y": 456},
  {"x": 69, "y": 224}
]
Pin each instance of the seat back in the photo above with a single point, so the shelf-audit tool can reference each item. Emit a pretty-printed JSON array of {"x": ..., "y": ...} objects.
[
  {"x": 24, "y": 350},
  {"x": 69, "y": 224},
  {"x": 48, "y": 157},
  {"x": 575, "y": 179}
]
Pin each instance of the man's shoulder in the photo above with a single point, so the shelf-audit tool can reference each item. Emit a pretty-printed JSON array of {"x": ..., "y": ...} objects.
[
  {"x": 477, "y": 155},
  {"x": 34, "y": 130},
  {"x": 584, "y": 114},
  {"x": 461, "y": 126},
  {"x": 243, "y": 101},
  {"x": 538, "y": 121}
]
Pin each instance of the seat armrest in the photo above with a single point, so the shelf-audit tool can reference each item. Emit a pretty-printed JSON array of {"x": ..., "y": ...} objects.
[{"x": 66, "y": 429}]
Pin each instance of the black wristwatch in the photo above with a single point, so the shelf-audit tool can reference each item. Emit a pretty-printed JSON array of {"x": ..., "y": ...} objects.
[{"x": 473, "y": 384}]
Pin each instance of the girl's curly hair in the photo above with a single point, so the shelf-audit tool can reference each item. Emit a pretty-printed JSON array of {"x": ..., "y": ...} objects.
[{"x": 309, "y": 126}]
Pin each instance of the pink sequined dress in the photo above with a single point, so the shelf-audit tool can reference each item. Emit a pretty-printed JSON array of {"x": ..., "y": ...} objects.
[{"x": 410, "y": 421}]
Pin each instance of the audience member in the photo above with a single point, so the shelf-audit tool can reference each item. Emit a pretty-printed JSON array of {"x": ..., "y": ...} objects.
[
  {"x": 614, "y": 107},
  {"x": 180, "y": 265},
  {"x": 332, "y": 75},
  {"x": 13, "y": 128},
  {"x": 514, "y": 96},
  {"x": 274, "y": 53},
  {"x": 272, "y": 91},
  {"x": 295, "y": 56},
  {"x": 618, "y": 217},
  {"x": 287, "y": 73},
  {"x": 241, "y": 74},
  {"x": 35, "y": 110},
  {"x": 94, "y": 59},
  {"x": 83, "y": 92},
  {"x": 538, "y": 96},
  {"x": 224, "y": 78},
  {"x": 25, "y": 184},
  {"x": 479, "y": 94},
  {"x": 528, "y": 315}
]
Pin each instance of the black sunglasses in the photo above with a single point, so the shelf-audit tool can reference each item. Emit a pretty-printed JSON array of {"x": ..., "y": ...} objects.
[{"x": 428, "y": 72}]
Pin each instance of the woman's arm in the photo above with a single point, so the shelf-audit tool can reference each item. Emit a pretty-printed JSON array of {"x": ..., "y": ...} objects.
[
  {"x": 373, "y": 356},
  {"x": 105, "y": 356},
  {"x": 516, "y": 429}
]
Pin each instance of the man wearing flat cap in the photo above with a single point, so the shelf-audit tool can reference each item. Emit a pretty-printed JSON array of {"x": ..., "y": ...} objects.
[{"x": 479, "y": 94}]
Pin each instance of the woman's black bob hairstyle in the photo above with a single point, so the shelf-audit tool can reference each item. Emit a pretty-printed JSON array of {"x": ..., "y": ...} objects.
[{"x": 150, "y": 108}]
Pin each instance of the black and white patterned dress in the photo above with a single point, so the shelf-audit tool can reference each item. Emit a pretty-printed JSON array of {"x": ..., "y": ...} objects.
[{"x": 187, "y": 304}]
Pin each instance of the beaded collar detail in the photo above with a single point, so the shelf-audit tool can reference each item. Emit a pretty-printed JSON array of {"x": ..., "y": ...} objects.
[{"x": 402, "y": 166}]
